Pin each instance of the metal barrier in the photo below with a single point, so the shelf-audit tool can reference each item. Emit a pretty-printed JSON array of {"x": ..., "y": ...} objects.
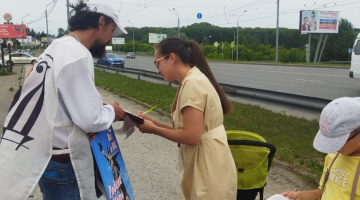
[{"x": 305, "y": 102}]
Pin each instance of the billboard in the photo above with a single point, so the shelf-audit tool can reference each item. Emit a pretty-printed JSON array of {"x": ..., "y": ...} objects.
[
  {"x": 156, "y": 38},
  {"x": 318, "y": 21},
  {"x": 12, "y": 31},
  {"x": 118, "y": 40}
]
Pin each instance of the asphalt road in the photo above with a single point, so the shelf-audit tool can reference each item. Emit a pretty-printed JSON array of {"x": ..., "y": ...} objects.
[{"x": 327, "y": 83}]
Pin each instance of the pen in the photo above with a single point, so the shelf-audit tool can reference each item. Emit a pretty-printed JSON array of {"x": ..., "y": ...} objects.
[{"x": 150, "y": 109}]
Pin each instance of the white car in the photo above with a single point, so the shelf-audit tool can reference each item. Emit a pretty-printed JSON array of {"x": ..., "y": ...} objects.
[
  {"x": 20, "y": 58},
  {"x": 130, "y": 55}
]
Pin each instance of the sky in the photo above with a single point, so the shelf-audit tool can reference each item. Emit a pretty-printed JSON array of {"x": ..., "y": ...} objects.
[{"x": 165, "y": 13}]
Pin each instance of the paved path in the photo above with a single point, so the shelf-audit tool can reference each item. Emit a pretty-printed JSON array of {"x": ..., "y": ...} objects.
[{"x": 151, "y": 161}]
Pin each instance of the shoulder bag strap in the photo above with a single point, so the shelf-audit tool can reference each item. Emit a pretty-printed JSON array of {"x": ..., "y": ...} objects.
[
  {"x": 355, "y": 182},
  {"x": 327, "y": 173}
]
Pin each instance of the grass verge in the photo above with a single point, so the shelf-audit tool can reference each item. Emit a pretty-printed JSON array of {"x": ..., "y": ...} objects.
[{"x": 291, "y": 135}]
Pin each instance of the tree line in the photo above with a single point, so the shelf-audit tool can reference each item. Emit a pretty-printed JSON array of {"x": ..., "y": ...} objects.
[{"x": 254, "y": 44}]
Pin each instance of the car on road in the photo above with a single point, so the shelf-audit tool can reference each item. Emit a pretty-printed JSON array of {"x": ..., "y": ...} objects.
[
  {"x": 20, "y": 58},
  {"x": 130, "y": 55},
  {"x": 112, "y": 59}
]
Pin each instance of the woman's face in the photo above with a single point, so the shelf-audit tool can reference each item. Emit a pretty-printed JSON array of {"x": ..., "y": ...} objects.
[{"x": 163, "y": 65}]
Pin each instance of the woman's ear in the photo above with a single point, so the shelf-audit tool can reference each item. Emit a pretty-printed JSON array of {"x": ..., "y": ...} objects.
[{"x": 173, "y": 58}]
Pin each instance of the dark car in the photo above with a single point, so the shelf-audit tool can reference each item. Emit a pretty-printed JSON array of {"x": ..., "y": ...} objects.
[{"x": 112, "y": 60}]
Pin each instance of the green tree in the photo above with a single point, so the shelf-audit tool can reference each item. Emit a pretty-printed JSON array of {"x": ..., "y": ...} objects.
[
  {"x": 337, "y": 44},
  {"x": 62, "y": 32}
]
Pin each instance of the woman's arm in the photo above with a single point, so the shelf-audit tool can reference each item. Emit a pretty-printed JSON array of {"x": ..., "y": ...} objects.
[{"x": 189, "y": 135}]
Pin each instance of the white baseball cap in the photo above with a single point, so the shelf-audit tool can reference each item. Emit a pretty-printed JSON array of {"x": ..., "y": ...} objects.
[
  {"x": 337, "y": 120},
  {"x": 100, "y": 6}
]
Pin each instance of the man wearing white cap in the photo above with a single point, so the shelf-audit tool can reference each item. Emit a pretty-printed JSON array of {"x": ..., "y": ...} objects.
[
  {"x": 44, "y": 135},
  {"x": 339, "y": 137}
]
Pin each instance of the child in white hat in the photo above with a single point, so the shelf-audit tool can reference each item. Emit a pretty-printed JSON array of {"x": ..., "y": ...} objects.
[{"x": 339, "y": 137}]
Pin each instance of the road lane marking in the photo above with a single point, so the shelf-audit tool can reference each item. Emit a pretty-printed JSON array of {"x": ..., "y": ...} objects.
[
  {"x": 281, "y": 72},
  {"x": 309, "y": 80}
]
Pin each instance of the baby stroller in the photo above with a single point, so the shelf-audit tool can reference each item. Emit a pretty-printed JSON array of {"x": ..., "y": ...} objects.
[{"x": 253, "y": 158}]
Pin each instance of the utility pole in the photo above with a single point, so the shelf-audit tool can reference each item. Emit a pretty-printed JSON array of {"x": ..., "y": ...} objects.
[
  {"x": 237, "y": 36},
  {"x": 68, "y": 10},
  {"x": 277, "y": 34},
  {"x": 47, "y": 28},
  {"x": 23, "y": 44},
  {"x": 133, "y": 36}
]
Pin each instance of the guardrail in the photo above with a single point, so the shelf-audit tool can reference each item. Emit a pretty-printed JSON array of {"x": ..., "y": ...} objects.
[{"x": 305, "y": 102}]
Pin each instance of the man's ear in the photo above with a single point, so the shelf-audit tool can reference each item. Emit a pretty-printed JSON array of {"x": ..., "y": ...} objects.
[{"x": 101, "y": 22}]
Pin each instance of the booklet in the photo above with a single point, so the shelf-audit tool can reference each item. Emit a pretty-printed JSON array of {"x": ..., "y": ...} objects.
[
  {"x": 134, "y": 118},
  {"x": 111, "y": 165},
  {"x": 130, "y": 121},
  {"x": 277, "y": 197}
]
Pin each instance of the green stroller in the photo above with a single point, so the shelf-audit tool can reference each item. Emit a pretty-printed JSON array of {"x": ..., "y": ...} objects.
[{"x": 253, "y": 158}]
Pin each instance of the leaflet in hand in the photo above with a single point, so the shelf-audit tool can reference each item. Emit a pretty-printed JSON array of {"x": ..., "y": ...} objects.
[{"x": 134, "y": 118}]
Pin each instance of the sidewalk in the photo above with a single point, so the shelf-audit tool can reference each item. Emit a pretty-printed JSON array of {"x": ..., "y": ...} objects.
[{"x": 151, "y": 161}]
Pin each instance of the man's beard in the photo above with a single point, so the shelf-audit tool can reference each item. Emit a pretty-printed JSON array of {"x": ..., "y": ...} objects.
[{"x": 98, "y": 49}]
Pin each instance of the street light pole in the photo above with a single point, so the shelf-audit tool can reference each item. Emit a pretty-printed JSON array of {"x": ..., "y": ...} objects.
[
  {"x": 133, "y": 36},
  {"x": 237, "y": 36},
  {"x": 178, "y": 33},
  {"x": 202, "y": 42}
]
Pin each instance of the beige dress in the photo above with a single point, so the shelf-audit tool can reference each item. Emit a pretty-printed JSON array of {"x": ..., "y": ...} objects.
[{"x": 207, "y": 171}]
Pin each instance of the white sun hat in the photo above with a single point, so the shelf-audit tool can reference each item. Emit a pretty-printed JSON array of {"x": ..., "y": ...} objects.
[
  {"x": 100, "y": 6},
  {"x": 337, "y": 120}
]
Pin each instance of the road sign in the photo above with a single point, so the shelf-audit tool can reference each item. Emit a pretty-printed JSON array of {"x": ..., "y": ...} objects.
[
  {"x": 9, "y": 43},
  {"x": 349, "y": 50},
  {"x": 232, "y": 44},
  {"x": 216, "y": 44},
  {"x": 199, "y": 15}
]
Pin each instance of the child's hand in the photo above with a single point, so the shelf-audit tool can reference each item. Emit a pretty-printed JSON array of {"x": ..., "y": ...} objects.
[{"x": 291, "y": 195}]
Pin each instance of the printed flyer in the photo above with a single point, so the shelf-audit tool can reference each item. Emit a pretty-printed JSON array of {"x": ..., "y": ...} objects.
[{"x": 111, "y": 165}]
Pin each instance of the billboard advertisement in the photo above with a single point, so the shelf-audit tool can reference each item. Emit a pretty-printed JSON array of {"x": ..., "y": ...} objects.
[
  {"x": 118, "y": 40},
  {"x": 12, "y": 31},
  {"x": 155, "y": 38},
  {"x": 318, "y": 21}
]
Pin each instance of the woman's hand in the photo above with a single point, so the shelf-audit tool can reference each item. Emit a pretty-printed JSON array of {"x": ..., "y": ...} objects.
[
  {"x": 143, "y": 115},
  {"x": 147, "y": 127}
]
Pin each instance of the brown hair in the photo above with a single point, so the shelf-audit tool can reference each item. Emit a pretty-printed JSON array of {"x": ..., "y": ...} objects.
[{"x": 190, "y": 53}]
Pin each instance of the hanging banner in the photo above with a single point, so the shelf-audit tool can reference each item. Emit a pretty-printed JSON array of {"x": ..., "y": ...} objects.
[{"x": 12, "y": 31}]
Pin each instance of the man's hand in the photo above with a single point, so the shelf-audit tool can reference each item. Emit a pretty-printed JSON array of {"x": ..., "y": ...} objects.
[{"x": 119, "y": 112}]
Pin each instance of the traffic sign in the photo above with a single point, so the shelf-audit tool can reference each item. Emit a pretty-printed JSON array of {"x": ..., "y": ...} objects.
[
  {"x": 9, "y": 43},
  {"x": 216, "y": 44},
  {"x": 232, "y": 44},
  {"x": 199, "y": 15},
  {"x": 349, "y": 50}
]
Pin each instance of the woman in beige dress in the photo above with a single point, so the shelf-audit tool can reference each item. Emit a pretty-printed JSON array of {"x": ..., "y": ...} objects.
[{"x": 206, "y": 166}]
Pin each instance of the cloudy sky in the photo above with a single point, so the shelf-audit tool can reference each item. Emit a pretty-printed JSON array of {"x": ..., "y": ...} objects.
[{"x": 165, "y": 13}]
